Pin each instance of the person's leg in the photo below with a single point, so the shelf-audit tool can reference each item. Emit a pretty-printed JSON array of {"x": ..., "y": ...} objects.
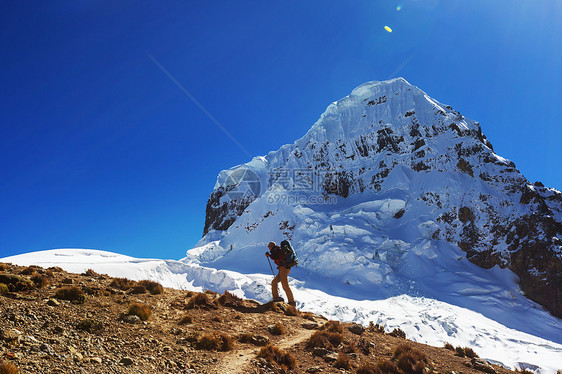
[
  {"x": 284, "y": 278},
  {"x": 274, "y": 288}
]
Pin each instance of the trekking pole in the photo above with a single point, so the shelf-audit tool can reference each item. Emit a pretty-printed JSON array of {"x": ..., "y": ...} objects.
[{"x": 268, "y": 260}]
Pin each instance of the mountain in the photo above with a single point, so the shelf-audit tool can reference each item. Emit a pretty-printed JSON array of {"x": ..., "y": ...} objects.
[
  {"x": 424, "y": 320},
  {"x": 390, "y": 192},
  {"x": 58, "y": 322},
  {"x": 401, "y": 214}
]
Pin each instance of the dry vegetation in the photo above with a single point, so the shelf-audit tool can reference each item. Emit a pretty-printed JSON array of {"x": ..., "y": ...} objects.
[
  {"x": 279, "y": 357},
  {"x": 8, "y": 368},
  {"x": 73, "y": 293},
  {"x": 143, "y": 311},
  {"x": 54, "y": 321}
]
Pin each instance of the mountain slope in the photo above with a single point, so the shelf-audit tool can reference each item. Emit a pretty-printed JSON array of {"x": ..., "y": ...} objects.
[
  {"x": 383, "y": 192},
  {"x": 423, "y": 320},
  {"x": 98, "y": 332}
]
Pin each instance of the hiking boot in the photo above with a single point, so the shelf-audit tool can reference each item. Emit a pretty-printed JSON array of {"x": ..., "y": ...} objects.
[
  {"x": 293, "y": 303},
  {"x": 277, "y": 300}
]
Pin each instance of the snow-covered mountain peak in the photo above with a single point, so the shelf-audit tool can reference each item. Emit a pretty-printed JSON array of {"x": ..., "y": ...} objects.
[
  {"x": 387, "y": 188},
  {"x": 386, "y": 101}
]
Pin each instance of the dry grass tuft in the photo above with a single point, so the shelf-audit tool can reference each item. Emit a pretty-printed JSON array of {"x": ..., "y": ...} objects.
[
  {"x": 364, "y": 346},
  {"x": 122, "y": 283},
  {"x": 16, "y": 283},
  {"x": 73, "y": 294},
  {"x": 215, "y": 342},
  {"x": 28, "y": 270},
  {"x": 227, "y": 343},
  {"x": 469, "y": 352},
  {"x": 40, "y": 281},
  {"x": 460, "y": 351},
  {"x": 8, "y": 368},
  {"x": 201, "y": 300},
  {"x": 143, "y": 311},
  {"x": 273, "y": 307},
  {"x": 465, "y": 352},
  {"x": 387, "y": 366},
  {"x": 154, "y": 288},
  {"x": 276, "y": 329},
  {"x": 375, "y": 327},
  {"x": 90, "y": 273},
  {"x": 398, "y": 333},
  {"x": 137, "y": 289},
  {"x": 291, "y": 311},
  {"x": 368, "y": 368},
  {"x": 230, "y": 300},
  {"x": 3, "y": 266},
  {"x": 208, "y": 342},
  {"x": 343, "y": 361},
  {"x": 185, "y": 320},
  {"x": 4, "y": 289},
  {"x": 246, "y": 337},
  {"x": 410, "y": 360},
  {"x": 90, "y": 325},
  {"x": 324, "y": 339},
  {"x": 277, "y": 356},
  {"x": 351, "y": 347},
  {"x": 307, "y": 315},
  {"x": 449, "y": 346},
  {"x": 401, "y": 349},
  {"x": 333, "y": 326}
]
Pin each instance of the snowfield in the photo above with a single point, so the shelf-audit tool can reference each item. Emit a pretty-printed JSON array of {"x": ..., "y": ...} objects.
[{"x": 423, "y": 319}]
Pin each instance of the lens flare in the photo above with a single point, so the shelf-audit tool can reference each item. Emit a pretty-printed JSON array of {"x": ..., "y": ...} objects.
[
  {"x": 399, "y": 8},
  {"x": 388, "y": 29}
]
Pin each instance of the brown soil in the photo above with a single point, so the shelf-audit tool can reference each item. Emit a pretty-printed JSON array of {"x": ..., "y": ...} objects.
[{"x": 42, "y": 334}]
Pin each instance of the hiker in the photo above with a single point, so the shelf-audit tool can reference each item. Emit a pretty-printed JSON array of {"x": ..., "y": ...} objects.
[{"x": 284, "y": 270}]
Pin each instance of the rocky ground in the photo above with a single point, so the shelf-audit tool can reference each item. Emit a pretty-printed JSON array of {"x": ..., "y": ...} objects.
[{"x": 52, "y": 321}]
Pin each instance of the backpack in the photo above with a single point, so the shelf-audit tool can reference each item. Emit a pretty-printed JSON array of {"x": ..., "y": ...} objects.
[{"x": 291, "y": 258}]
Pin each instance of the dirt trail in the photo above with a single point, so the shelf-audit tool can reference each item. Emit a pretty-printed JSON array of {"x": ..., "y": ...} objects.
[{"x": 237, "y": 361}]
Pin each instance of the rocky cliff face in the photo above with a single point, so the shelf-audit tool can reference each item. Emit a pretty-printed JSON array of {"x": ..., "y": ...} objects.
[{"x": 442, "y": 182}]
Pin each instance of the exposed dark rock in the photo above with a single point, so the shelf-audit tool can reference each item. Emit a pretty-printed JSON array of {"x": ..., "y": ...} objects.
[
  {"x": 338, "y": 183},
  {"x": 321, "y": 352},
  {"x": 465, "y": 214},
  {"x": 126, "y": 361},
  {"x": 220, "y": 216},
  {"x": 400, "y": 213},
  {"x": 418, "y": 144},
  {"x": 356, "y": 329},
  {"x": 465, "y": 167},
  {"x": 420, "y": 166},
  {"x": 482, "y": 365},
  {"x": 310, "y": 325}
]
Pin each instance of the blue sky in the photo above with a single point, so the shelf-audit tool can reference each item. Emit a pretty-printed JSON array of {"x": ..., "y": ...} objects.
[{"x": 99, "y": 149}]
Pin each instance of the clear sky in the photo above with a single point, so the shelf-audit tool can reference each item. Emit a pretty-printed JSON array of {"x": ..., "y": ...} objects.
[{"x": 100, "y": 149}]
